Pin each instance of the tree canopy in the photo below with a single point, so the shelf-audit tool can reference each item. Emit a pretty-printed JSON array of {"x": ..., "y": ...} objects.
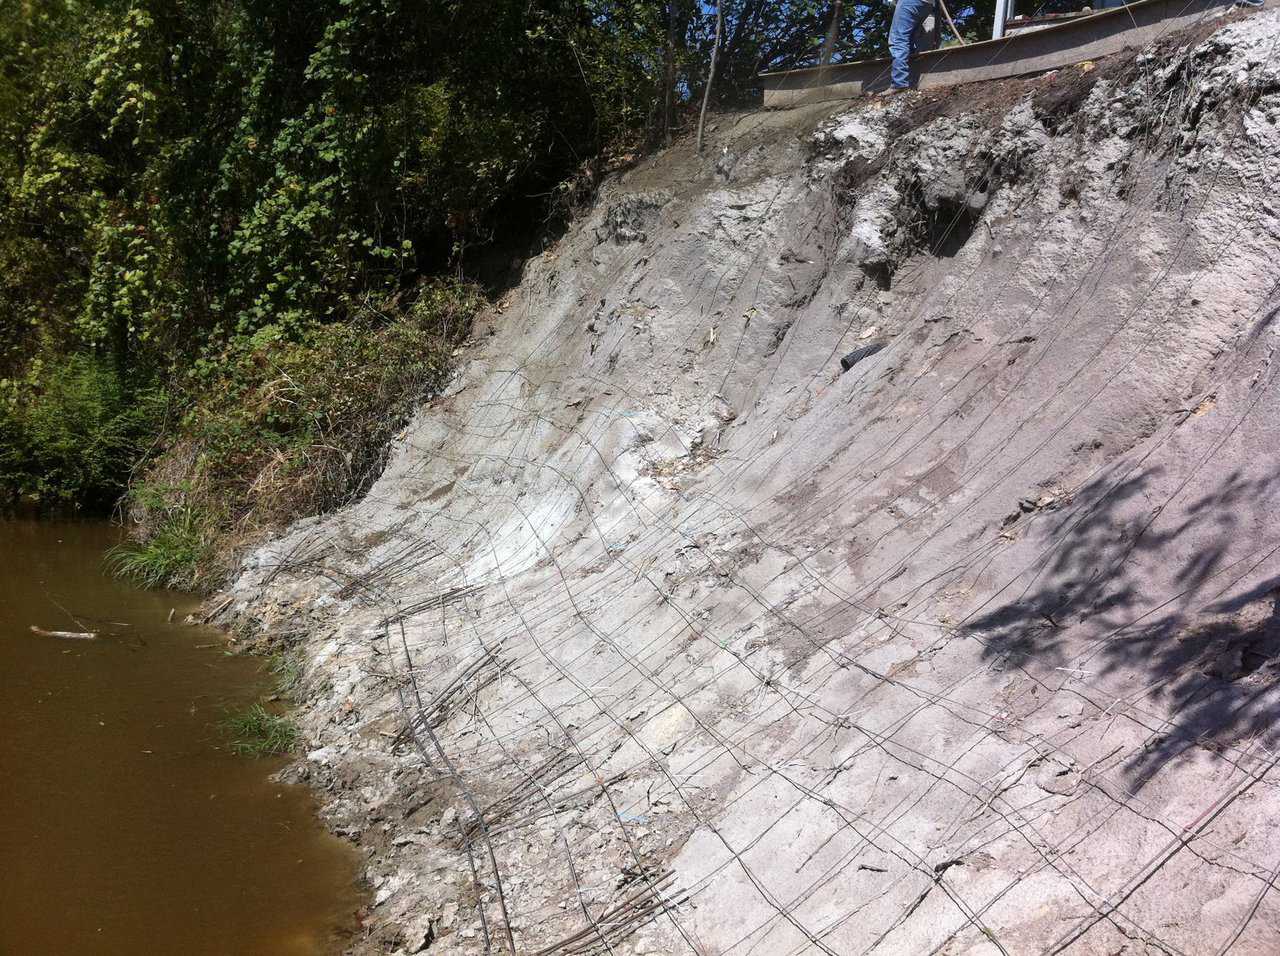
[{"x": 180, "y": 177}]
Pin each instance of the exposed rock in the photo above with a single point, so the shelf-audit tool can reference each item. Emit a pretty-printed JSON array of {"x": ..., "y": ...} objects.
[
  {"x": 975, "y": 645},
  {"x": 627, "y": 218}
]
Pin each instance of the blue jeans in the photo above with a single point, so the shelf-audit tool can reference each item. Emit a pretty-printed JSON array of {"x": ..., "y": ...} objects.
[{"x": 907, "y": 16}]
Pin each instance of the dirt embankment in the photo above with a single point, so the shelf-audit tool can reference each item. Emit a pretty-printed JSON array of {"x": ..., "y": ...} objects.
[{"x": 661, "y": 634}]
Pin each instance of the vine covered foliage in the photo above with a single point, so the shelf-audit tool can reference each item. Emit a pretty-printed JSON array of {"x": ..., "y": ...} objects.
[
  {"x": 188, "y": 183},
  {"x": 179, "y": 171}
]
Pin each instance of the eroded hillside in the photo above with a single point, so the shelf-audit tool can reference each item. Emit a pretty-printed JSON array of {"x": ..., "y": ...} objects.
[{"x": 662, "y": 634}]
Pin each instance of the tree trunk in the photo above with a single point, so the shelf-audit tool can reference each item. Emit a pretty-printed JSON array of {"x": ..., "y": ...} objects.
[
  {"x": 711, "y": 76},
  {"x": 833, "y": 35},
  {"x": 669, "y": 72}
]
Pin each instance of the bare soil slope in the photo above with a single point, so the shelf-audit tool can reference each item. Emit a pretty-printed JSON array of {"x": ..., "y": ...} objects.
[{"x": 662, "y": 634}]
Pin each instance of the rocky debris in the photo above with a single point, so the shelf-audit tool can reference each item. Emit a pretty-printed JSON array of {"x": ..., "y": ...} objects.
[
  {"x": 851, "y": 359},
  {"x": 659, "y": 636},
  {"x": 626, "y": 218}
]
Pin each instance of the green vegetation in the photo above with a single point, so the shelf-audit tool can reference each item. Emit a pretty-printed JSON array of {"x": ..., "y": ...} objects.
[
  {"x": 280, "y": 428},
  {"x": 232, "y": 231},
  {"x": 74, "y": 438},
  {"x": 286, "y": 672},
  {"x": 256, "y": 732},
  {"x": 172, "y": 554}
]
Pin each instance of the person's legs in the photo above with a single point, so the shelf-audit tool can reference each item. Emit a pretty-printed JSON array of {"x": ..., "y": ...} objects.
[{"x": 907, "y": 15}]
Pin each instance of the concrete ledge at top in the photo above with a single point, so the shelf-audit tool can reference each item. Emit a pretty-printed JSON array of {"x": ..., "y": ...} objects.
[{"x": 1019, "y": 54}]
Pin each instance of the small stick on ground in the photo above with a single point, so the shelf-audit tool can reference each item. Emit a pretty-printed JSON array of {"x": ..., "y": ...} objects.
[
  {"x": 947, "y": 13},
  {"x": 65, "y": 635}
]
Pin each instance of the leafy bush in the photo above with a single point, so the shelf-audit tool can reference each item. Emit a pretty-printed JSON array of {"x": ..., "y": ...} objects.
[
  {"x": 188, "y": 172},
  {"x": 70, "y": 432}
]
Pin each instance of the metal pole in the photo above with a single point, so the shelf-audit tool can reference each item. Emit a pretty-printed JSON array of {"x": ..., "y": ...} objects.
[{"x": 1002, "y": 11}]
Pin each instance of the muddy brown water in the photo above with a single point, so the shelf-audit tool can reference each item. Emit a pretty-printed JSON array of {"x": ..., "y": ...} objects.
[{"x": 126, "y": 824}]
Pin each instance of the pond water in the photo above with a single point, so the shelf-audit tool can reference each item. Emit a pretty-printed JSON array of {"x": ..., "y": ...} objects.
[{"x": 126, "y": 823}]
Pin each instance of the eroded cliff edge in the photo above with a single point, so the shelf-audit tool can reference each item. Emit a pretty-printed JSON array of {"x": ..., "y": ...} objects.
[{"x": 662, "y": 634}]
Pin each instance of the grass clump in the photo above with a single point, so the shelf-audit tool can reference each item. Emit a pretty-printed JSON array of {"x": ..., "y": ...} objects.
[
  {"x": 171, "y": 556},
  {"x": 286, "y": 672},
  {"x": 256, "y": 732}
]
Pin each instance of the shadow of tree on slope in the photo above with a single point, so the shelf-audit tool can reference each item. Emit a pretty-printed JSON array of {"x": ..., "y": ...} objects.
[{"x": 1119, "y": 591}]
